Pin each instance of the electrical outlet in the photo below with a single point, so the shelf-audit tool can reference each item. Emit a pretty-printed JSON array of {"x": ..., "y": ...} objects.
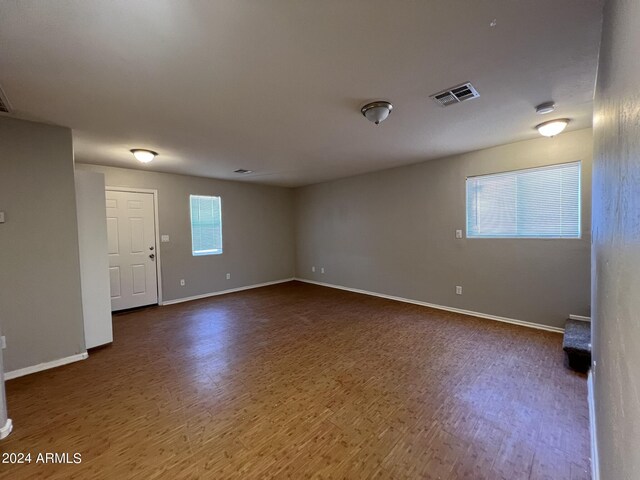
[
  {"x": 321, "y": 269},
  {"x": 458, "y": 233},
  {"x": 313, "y": 269},
  {"x": 228, "y": 276},
  {"x": 182, "y": 282},
  {"x": 1, "y": 217},
  {"x": 458, "y": 290}
]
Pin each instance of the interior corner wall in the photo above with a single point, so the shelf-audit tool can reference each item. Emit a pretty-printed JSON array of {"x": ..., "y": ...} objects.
[
  {"x": 40, "y": 297},
  {"x": 616, "y": 244},
  {"x": 257, "y": 226},
  {"x": 393, "y": 232}
]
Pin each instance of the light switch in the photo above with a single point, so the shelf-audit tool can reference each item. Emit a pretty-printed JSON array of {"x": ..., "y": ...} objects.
[
  {"x": 164, "y": 238},
  {"x": 458, "y": 233},
  {"x": 1, "y": 217}
]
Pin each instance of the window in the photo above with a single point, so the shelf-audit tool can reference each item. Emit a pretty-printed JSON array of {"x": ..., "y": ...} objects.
[
  {"x": 533, "y": 203},
  {"x": 206, "y": 225}
]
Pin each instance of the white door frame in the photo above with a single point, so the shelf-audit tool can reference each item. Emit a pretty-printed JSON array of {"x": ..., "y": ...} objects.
[{"x": 157, "y": 228}]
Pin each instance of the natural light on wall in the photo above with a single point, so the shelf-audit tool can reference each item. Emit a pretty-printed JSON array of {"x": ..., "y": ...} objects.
[
  {"x": 206, "y": 225},
  {"x": 534, "y": 203}
]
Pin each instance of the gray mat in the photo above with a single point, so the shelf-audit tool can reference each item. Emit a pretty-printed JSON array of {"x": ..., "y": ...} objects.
[{"x": 577, "y": 343}]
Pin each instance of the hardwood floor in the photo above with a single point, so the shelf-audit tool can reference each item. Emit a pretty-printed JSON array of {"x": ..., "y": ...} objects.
[{"x": 299, "y": 381}]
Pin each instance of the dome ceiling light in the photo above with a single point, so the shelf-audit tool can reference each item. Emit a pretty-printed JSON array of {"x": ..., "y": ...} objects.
[
  {"x": 143, "y": 155},
  {"x": 552, "y": 127},
  {"x": 377, "y": 111}
]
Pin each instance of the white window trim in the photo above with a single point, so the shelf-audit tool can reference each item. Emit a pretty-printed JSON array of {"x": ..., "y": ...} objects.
[
  {"x": 214, "y": 251},
  {"x": 517, "y": 237}
]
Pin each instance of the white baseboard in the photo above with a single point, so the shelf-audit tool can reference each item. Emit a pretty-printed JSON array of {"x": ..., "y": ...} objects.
[
  {"x": 580, "y": 317},
  {"x": 45, "y": 366},
  {"x": 439, "y": 307},
  {"x": 223, "y": 292},
  {"x": 6, "y": 429},
  {"x": 595, "y": 467}
]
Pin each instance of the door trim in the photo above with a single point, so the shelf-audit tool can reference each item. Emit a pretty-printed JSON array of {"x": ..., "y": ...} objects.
[
  {"x": 154, "y": 192},
  {"x": 6, "y": 429}
]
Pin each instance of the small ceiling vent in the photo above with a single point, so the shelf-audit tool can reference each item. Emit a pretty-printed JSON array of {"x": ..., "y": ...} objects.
[
  {"x": 454, "y": 95},
  {"x": 5, "y": 106}
]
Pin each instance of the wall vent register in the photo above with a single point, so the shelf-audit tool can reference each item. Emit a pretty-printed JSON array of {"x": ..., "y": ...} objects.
[{"x": 454, "y": 95}]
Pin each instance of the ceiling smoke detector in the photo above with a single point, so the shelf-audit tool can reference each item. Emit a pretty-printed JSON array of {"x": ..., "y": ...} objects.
[
  {"x": 457, "y": 94},
  {"x": 377, "y": 111},
  {"x": 546, "y": 107}
]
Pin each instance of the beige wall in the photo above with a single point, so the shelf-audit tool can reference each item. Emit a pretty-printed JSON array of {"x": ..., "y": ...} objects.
[
  {"x": 257, "y": 226},
  {"x": 393, "y": 232},
  {"x": 616, "y": 244},
  {"x": 40, "y": 300}
]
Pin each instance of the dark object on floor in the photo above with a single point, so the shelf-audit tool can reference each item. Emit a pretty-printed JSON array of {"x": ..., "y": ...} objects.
[{"x": 577, "y": 344}]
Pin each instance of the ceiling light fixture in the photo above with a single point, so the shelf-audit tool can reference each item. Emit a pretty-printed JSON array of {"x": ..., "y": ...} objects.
[
  {"x": 552, "y": 127},
  {"x": 142, "y": 155},
  {"x": 546, "y": 107},
  {"x": 377, "y": 112}
]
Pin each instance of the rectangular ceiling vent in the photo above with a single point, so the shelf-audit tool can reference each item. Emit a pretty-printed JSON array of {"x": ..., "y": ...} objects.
[
  {"x": 454, "y": 95},
  {"x": 5, "y": 106}
]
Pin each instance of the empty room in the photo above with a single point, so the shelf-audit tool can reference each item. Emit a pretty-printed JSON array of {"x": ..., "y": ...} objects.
[{"x": 358, "y": 239}]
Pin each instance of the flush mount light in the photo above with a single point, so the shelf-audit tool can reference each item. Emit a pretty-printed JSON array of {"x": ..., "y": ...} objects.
[
  {"x": 377, "y": 112},
  {"x": 142, "y": 155},
  {"x": 552, "y": 127},
  {"x": 546, "y": 107}
]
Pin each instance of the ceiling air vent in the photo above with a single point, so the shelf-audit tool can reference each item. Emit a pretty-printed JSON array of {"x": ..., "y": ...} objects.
[
  {"x": 454, "y": 95},
  {"x": 5, "y": 107}
]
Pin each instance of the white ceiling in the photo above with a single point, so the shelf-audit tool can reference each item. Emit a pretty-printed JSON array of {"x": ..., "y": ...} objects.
[{"x": 275, "y": 86}]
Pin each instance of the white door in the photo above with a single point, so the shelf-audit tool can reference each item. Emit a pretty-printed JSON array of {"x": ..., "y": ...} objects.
[{"x": 131, "y": 238}]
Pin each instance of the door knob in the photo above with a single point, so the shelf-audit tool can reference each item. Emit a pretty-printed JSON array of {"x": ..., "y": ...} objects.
[
  {"x": 151, "y": 248},
  {"x": 152, "y": 256}
]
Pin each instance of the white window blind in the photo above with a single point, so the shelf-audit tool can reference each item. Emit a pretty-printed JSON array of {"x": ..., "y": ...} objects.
[
  {"x": 206, "y": 225},
  {"x": 533, "y": 203}
]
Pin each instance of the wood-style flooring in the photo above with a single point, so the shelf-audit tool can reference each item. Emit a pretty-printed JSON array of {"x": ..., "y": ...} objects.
[{"x": 300, "y": 381}]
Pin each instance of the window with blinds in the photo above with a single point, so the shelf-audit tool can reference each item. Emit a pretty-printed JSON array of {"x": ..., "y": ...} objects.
[
  {"x": 533, "y": 203},
  {"x": 206, "y": 225}
]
